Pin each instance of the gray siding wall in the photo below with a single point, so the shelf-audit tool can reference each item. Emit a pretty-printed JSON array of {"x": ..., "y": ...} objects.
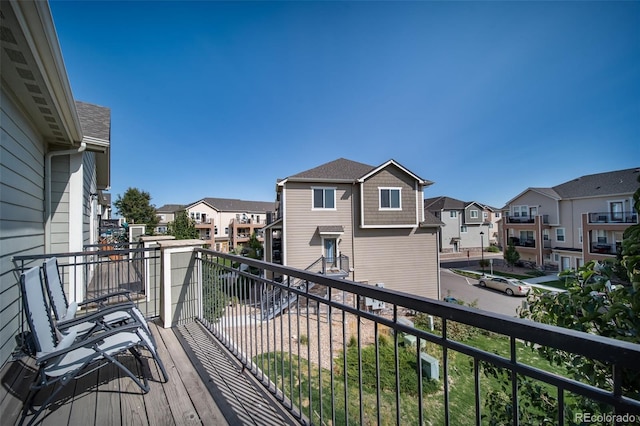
[
  {"x": 394, "y": 178},
  {"x": 303, "y": 243},
  {"x": 60, "y": 174},
  {"x": 21, "y": 210},
  {"x": 467, "y": 215},
  {"x": 403, "y": 259},
  {"x": 89, "y": 220},
  {"x": 546, "y": 206}
]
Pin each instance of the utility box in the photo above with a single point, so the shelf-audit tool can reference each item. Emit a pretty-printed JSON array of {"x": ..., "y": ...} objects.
[
  {"x": 430, "y": 366},
  {"x": 373, "y": 304}
]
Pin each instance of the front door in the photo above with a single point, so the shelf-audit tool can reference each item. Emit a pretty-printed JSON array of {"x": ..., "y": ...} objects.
[
  {"x": 566, "y": 263},
  {"x": 330, "y": 251}
]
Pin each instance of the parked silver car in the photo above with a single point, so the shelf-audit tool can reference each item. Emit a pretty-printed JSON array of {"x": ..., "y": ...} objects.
[{"x": 510, "y": 286}]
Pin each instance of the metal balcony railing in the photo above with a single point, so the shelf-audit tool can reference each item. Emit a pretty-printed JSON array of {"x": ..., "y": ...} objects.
[
  {"x": 619, "y": 217},
  {"x": 527, "y": 219},
  {"x": 603, "y": 248},
  {"x": 527, "y": 242},
  {"x": 102, "y": 269},
  {"x": 520, "y": 219},
  {"x": 341, "y": 352}
]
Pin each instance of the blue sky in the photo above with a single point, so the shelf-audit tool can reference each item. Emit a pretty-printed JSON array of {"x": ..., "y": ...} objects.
[{"x": 219, "y": 99}]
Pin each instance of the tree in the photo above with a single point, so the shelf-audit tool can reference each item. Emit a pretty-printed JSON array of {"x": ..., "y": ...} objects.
[
  {"x": 182, "y": 227},
  {"x": 511, "y": 255},
  {"x": 135, "y": 206}
]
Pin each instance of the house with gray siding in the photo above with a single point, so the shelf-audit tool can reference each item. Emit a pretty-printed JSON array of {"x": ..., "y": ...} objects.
[
  {"x": 364, "y": 223},
  {"x": 55, "y": 157},
  {"x": 572, "y": 223},
  {"x": 468, "y": 226}
]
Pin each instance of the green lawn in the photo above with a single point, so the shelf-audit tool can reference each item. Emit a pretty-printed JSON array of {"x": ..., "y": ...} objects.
[{"x": 347, "y": 405}]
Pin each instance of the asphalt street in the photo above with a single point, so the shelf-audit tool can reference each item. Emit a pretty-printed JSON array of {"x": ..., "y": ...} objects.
[{"x": 468, "y": 290}]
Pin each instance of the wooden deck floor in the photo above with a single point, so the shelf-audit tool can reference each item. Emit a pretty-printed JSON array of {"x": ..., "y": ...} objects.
[{"x": 205, "y": 386}]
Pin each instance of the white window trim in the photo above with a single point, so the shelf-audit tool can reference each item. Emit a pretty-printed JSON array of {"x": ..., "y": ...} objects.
[
  {"x": 464, "y": 229},
  {"x": 453, "y": 214},
  {"x": 564, "y": 235},
  {"x": 389, "y": 188},
  {"x": 324, "y": 188},
  {"x": 474, "y": 214}
]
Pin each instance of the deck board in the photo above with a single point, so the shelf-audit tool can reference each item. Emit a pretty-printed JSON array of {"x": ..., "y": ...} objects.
[{"x": 108, "y": 397}]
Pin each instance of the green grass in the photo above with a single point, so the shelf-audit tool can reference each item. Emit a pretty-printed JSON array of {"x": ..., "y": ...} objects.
[
  {"x": 346, "y": 405},
  {"x": 559, "y": 284}
]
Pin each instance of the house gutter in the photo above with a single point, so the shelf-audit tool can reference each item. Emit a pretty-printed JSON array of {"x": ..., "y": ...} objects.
[{"x": 47, "y": 182}]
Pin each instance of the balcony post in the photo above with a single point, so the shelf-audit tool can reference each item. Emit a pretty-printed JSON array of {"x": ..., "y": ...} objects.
[
  {"x": 151, "y": 241},
  {"x": 179, "y": 282}
]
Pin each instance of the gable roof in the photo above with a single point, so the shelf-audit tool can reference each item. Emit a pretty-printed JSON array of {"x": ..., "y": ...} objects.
[
  {"x": 443, "y": 203},
  {"x": 170, "y": 208},
  {"x": 609, "y": 183},
  {"x": 95, "y": 122},
  {"x": 430, "y": 220},
  {"x": 343, "y": 170},
  {"x": 340, "y": 170},
  {"x": 235, "y": 205},
  {"x": 401, "y": 167},
  {"x": 596, "y": 185}
]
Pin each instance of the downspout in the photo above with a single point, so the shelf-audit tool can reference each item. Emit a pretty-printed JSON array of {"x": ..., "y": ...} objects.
[
  {"x": 47, "y": 183},
  {"x": 353, "y": 231}
]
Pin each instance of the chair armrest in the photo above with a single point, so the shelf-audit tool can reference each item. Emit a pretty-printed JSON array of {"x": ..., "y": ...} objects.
[
  {"x": 100, "y": 299},
  {"x": 97, "y": 315},
  {"x": 89, "y": 341}
]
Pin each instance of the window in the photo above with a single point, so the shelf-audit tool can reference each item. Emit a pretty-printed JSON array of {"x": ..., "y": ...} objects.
[
  {"x": 559, "y": 234},
  {"x": 215, "y": 230},
  {"x": 390, "y": 198},
  {"x": 453, "y": 214},
  {"x": 497, "y": 215},
  {"x": 463, "y": 228},
  {"x": 474, "y": 214},
  {"x": 580, "y": 235},
  {"x": 485, "y": 215},
  {"x": 526, "y": 236},
  {"x": 324, "y": 198},
  {"x": 601, "y": 236},
  {"x": 490, "y": 225},
  {"x": 226, "y": 230},
  {"x": 545, "y": 234},
  {"x": 615, "y": 208},
  {"x": 520, "y": 211}
]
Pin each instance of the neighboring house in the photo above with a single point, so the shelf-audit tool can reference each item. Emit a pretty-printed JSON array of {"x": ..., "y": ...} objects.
[
  {"x": 463, "y": 223},
  {"x": 166, "y": 214},
  {"x": 226, "y": 223},
  {"x": 365, "y": 223},
  {"x": 567, "y": 225},
  {"x": 55, "y": 156}
]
